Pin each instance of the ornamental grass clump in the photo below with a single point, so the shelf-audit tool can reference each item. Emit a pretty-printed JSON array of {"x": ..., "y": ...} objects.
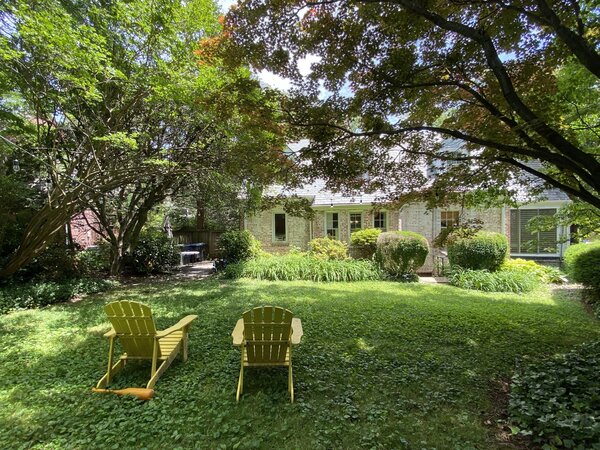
[
  {"x": 300, "y": 267},
  {"x": 516, "y": 281},
  {"x": 401, "y": 253},
  {"x": 485, "y": 250}
]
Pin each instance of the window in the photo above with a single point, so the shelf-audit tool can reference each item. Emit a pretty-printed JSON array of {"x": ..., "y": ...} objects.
[
  {"x": 526, "y": 242},
  {"x": 355, "y": 222},
  {"x": 332, "y": 225},
  {"x": 448, "y": 219},
  {"x": 380, "y": 220},
  {"x": 279, "y": 227}
]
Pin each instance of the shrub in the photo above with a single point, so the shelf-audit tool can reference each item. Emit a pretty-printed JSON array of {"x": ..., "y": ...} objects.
[
  {"x": 155, "y": 253},
  {"x": 556, "y": 401},
  {"x": 93, "y": 260},
  {"x": 543, "y": 274},
  {"x": 326, "y": 248},
  {"x": 401, "y": 253},
  {"x": 239, "y": 245},
  {"x": 483, "y": 251},
  {"x": 35, "y": 295},
  {"x": 365, "y": 242},
  {"x": 296, "y": 267},
  {"x": 516, "y": 281},
  {"x": 582, "y": 263},
  {"x": 56, "y": 262}
]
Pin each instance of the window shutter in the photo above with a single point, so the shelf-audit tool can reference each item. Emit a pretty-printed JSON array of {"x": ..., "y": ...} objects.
[
  {"x": 547, "y": 241},
  {"x": 515, "y": 232}
]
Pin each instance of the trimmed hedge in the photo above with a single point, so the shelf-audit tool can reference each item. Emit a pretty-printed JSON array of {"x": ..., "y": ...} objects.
[
  {"x": 557, "y": 401},
  {"x": 238, "y": 246},
  {"x": 36, "y": 295},
  {"x": 364, "y": 242},
  {"x": 516, "y": 281},
  {"x": 484, "y": 251},
  {"x": 326, "y": 248},
  {"x": 582, "y": 263},
  {"x": 401, "y": 253},
  {"x": 299, "y": 267}
]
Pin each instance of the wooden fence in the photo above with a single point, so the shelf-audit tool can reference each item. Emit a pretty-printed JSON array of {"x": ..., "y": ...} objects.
[{"x": 192, "y": 237}]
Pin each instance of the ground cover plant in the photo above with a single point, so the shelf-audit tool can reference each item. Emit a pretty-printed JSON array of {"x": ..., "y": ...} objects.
[
  {"x": 296, "y": 267},
  {"x": 509, "y": 280},
  {"x": 35, "y": 294},
  {"x": 557, "y": 401},
  {"x": 381, "y": 365}
]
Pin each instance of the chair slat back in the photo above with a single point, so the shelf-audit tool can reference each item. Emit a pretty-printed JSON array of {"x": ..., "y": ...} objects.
[
  {"x": 134, "y": 325},
  {"x": 267, "y": 334}
]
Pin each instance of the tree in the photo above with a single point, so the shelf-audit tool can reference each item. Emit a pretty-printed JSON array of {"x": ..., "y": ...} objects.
[
  {"x": 403, "y": 75},
  {"x": 112, "y": 99}
]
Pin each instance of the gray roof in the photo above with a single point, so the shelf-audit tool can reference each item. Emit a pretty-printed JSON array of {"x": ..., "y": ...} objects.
[
  {"x": 548, "y": 194},
  {"x": 321, "y": 196}
]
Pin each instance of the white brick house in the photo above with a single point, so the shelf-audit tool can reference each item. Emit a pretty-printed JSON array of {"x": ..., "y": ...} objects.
[{"x": 338, "y": 216}]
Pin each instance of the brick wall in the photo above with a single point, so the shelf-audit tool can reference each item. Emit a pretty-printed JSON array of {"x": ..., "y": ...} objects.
[{"x": 414, "y": 217}]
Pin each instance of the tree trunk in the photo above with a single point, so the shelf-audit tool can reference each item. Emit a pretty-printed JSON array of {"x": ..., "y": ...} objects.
[
  {"x": 116, "y": 259},
  {"x": 200, "y": 215}
]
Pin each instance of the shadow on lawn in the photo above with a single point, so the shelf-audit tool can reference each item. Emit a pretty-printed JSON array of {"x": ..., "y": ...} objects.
[{"x": 406, "y": 352}]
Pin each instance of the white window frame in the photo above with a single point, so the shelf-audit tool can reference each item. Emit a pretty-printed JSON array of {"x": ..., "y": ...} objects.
[
  {"x": 452, "y": 211},
  {"x": 558, "y": 251},
  {"x": 362, "y": 221},
  {"x": 338, "y": 224},
  {"x": 273, "y": 236},
  {"x": 385, "y": 219}
]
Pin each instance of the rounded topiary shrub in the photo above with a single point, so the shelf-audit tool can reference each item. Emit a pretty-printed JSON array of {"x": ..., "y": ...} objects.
[
  {"x": 483, "y": 251},
  {"x": 238, "y": 245},
  {"x": 154, "y": 253},
  {"x": 364, "y": 243},
  {"x": 326, "y": 248},
  {"x": 582, "y": 264},
  {"x": 401, "y": 253}
]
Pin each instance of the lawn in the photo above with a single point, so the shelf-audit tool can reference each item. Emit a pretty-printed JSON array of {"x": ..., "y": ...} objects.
[{"x": 382, "y": 365}]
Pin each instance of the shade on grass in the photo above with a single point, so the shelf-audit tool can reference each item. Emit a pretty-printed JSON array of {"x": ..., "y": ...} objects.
[{"x": 381, "y": 365}]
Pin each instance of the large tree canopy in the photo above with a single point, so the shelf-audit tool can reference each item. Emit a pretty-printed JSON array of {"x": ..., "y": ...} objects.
[
  {"x": 514, "y": 80},
  {"x": 111, "y": 99}
]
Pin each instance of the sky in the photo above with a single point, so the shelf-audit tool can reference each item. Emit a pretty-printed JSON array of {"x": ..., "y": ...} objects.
[{"x": 269, "y": 78}]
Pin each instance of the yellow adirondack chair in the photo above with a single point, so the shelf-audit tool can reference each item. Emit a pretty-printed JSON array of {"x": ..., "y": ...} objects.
[
  {"x": 267, "y": 342},
  {"x": 134, "y": 326}
]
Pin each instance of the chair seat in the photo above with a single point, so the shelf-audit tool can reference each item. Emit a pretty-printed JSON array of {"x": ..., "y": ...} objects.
[
  {"x": 269, "y": 363},
  {"x": 168, "y": 343}
]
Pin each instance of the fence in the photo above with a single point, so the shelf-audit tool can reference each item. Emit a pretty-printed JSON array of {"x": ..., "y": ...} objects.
[{"x": 191, "y": 237}]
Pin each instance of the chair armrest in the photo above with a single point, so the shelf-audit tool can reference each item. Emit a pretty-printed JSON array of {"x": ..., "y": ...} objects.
[
  {"x": 186, "y": 321},
  {"x": 110, "y": 334}
]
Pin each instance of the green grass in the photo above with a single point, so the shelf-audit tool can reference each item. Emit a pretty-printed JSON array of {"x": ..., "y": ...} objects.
[{"x": 382, "y": 365}]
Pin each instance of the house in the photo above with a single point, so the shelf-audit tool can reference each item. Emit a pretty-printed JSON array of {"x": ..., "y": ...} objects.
[{"x": 337, "y": 216}]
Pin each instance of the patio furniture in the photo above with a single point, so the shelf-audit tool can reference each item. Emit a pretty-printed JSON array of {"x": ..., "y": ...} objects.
[
  {"x": 135, "y": 328},
  {"x": 191, "y": 253},
  {"x": 266, "y": 335}
]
